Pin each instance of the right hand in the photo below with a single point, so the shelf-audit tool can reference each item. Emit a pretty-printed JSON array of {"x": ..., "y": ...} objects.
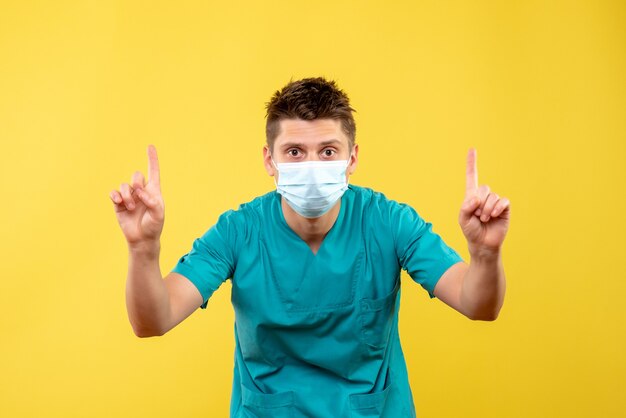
[{"x": 139, "y": 207}]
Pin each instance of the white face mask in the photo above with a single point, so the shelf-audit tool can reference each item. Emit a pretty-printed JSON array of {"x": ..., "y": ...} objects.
[{"x": 312, "y": 188}]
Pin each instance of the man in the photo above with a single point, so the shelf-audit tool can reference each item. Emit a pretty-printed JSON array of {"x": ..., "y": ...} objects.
[{"x": 315, "y": 268}]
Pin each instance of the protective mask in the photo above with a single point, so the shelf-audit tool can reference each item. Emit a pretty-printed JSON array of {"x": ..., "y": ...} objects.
[{"x": 312, "y": 188}]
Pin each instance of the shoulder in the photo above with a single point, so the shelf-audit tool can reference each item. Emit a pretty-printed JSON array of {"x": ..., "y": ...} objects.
[
  {"x": 365, "y": 196},
  {"x": 259, "y": 206},
  {"x": 374, "y": 202},
  {"x": 250, "y": 213},
  {"x": 235, "y": 227}
]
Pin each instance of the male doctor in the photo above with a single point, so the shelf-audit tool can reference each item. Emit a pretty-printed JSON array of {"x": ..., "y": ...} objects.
[{"x": 315, "y": 268}]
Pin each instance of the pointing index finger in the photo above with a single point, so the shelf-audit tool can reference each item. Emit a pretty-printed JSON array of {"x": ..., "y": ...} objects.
[
  {"x": 153, "y": 165},
  {"x": 471, "y": 185}
]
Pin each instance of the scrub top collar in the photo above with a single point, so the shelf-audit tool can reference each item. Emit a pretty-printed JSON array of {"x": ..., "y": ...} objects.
[{"x": 331, "y": 232}]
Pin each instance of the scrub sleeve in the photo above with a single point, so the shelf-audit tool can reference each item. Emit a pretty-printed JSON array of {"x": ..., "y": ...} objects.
[
  {"x": 421, "y": 252},
  {"x": 211, "y": 260}
]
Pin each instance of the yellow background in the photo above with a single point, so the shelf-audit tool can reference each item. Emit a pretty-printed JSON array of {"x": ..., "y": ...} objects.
[{"x": 538, "y": 87}]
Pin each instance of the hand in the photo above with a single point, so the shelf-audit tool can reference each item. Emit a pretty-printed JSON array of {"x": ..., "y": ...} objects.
[
  {"x": 140, "y": 208},
  {"x": 484, "y": 216}
]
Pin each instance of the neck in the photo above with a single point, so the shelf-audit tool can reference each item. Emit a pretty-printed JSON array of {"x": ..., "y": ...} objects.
[{"x": 311, "y": 230}]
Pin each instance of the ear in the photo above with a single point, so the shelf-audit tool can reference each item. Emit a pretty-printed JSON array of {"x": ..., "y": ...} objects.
[
  {"x": 354, "y": 159},
  {"x": 267, "y": 161}
]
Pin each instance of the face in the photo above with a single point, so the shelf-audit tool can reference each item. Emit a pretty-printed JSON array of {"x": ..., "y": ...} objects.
[{"x": 310, "y": 140}]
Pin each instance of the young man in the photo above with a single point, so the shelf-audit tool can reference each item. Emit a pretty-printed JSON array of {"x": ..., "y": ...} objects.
[{"x": 315, "y": 268}]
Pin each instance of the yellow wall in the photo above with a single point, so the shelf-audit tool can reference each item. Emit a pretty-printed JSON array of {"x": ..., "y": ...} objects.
[{"x": 538, "y": 87}]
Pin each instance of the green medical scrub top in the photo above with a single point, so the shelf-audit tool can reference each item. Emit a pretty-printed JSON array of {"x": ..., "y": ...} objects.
[{"x": 316, "y": 335}]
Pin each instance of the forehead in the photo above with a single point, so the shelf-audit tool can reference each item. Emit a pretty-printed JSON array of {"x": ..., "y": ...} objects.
[{"x": 310, "y": 132}]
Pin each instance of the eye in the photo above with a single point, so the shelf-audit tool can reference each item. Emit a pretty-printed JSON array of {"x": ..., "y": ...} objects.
[
  {"x": 328, "y": 152},
  {"x": 293, "y": 152}
]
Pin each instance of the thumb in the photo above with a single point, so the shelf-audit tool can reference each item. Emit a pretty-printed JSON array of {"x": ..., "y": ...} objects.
[
  {"x": 470, "y": 204},
  {"x": 148, "y": 200}
]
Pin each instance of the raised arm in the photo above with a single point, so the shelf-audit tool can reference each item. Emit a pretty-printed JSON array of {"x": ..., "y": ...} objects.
[
  {"x": 484, "y": 219},
  {"x": 154, "y": 305}
]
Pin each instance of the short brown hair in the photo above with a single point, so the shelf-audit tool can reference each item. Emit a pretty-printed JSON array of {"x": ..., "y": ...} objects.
[{"x": 308, "y": 99}]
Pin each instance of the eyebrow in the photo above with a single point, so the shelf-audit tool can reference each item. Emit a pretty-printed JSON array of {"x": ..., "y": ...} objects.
[{"x": 301, "y": 145}]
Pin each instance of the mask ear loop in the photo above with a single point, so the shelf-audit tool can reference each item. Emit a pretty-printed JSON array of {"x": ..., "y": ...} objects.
[
  {"x": 276, "y": 167},
  {"x": 348, "y": 165}
]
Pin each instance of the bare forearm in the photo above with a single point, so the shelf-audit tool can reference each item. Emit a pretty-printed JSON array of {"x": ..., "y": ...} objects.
[
  {"x": 147, "y": 299},
  {"x": 484, "y": 284}
]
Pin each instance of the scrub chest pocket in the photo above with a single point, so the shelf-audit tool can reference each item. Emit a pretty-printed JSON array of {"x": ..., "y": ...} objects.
[{"x": 376, "y": 318}]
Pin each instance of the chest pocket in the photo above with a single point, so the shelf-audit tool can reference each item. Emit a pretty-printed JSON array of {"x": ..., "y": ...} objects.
[
  {"x": 376, "y": 318},
  {"x": 321, "y": 282}
]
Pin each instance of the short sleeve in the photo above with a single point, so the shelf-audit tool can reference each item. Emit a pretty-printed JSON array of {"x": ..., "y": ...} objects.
[
  {"x": 421, "y": 252},
  {"x": 211, "y": 259}
]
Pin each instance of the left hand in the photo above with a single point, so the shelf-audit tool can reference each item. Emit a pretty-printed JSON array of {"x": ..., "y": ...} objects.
[{"x": 484, "y": 216}]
